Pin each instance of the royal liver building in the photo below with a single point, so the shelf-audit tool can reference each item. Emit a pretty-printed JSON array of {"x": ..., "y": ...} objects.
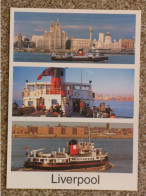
[{"x": 52, "y": 39}]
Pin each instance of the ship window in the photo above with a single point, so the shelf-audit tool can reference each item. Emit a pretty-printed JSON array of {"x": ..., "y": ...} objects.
[
  {"x": 30, "y": 103},
  {"x": 61, "y": 73},
  {"x": 77, "y": 87},
  {"x": 54, "y": 101}
]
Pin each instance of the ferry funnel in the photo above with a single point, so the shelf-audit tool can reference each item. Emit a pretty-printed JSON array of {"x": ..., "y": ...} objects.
[{"x": 58, "y": 81}]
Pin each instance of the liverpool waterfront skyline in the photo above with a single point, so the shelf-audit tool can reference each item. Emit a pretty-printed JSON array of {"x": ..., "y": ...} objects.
[
  {"x": 76, "y": 25},
  {"x": 115, "y": 82}
]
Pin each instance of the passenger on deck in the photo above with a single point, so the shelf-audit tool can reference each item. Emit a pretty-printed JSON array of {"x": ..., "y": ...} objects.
[
  {"x": 57, "y": 108},
  {"x": 23, "y": 106},
  {"x": 51, "y": 108},
  {"x": 15, "y": 105},
  {"x": 68, "y": 110},
  {"x": 81, "y": 107},
  {"x": 108, "y": 110},
  {"x": 98, "y": 108}
]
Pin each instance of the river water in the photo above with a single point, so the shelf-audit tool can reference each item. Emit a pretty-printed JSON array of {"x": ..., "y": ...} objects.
[
  {"x": 44, "y": 57},
  {"x": 120, "y": 151},
  {"x": 122, "y": 109}
]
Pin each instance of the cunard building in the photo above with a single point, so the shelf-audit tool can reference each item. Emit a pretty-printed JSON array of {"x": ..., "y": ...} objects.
[{"x": 52, "y": 39}]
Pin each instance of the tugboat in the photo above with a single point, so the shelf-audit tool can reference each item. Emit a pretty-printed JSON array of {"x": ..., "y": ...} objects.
[
  {"x": 79, "y": 155},
  {"x": 91, "y": 55}
]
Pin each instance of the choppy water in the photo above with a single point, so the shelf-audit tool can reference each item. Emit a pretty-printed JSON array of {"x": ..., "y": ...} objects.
[
  {"x": 44, "y": 57},
  {"x": 120, "y": 151}
]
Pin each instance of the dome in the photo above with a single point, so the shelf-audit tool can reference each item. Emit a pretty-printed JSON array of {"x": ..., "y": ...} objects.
[
  {"x": 108, "y": 34},
  {"x": 108, "y": 38}
]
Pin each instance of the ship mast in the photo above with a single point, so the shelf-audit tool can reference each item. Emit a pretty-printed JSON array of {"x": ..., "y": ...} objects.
[
  {"x": 35, "y": 78},
  {"x": 89, "y": 133},
  {"x": 81, "y": 77}
]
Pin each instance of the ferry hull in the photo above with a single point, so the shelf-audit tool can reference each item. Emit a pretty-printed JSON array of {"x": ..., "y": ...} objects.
[
  {"x": 65, "y": 166},
  {"x": 102, "y": 58}
]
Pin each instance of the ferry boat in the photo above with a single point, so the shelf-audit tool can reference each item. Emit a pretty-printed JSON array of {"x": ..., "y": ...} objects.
[
  {"x": 41, "y": 98},
  {"x": 43, "y": 95},
  {"x": 79, "y": 155},
  {"x": 91, "y": 55}
]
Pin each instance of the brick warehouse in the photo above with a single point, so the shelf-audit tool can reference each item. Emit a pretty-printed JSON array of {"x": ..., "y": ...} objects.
[{"x": 66, "y": 131}]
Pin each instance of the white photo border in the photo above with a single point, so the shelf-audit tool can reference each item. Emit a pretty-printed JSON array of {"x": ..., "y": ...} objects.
[{"x": 41, "y": 180}]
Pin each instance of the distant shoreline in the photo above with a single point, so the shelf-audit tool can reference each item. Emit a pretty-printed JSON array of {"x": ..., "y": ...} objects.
[
  {"x": 78, "y": 137},
  {"x": 113, "y": 100},
  {"x": 33, "y": 50}
]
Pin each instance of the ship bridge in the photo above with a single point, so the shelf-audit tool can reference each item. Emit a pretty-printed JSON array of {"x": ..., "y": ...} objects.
[
  {"x": 79, "y": 90},
  {"x": 44, "y": 94}
]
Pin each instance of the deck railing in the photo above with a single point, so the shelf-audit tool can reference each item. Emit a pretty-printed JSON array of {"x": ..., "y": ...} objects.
[{"x": 44, "y": 91}]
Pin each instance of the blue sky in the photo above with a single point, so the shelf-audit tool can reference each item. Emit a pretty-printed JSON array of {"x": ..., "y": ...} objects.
[
  {"x": 76, "y": 25},
  {"x": 119, "y": 82}
]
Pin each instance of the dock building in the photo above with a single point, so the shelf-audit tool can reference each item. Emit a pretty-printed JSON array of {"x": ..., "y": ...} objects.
[
  {"x": 70, "y": 132},
  {"x": 52, "y": 39},
  {"x": 56, "y": 39}
]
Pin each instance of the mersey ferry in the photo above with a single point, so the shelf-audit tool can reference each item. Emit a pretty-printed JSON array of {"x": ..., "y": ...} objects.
[
  {"x": 91, "y": 55},
  {"x": 44, "y": 95},
  {"x": 40, "y": 97},
  {"x": 78, "y": 155}
]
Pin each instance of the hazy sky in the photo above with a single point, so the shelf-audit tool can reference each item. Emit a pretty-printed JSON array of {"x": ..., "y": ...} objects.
[
  {"x": 118, "y": 82},
  {"x": 77, "y": 25}
]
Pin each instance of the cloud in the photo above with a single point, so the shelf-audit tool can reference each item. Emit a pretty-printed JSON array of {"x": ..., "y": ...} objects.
[
  {"x": 108, "y": 27},
  {"x": 39, "y": 30},
  {"x": 31, "y": 22},
  {"x": 75, "y": 27}
]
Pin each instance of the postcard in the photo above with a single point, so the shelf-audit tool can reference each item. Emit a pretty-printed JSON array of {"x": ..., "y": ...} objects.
[{"x": 73, "y": 99}]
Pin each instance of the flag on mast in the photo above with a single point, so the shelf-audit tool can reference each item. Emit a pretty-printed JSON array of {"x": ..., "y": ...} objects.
[
  {"x": 26, "y": 148},
  {"x": 46, "y": 72}
]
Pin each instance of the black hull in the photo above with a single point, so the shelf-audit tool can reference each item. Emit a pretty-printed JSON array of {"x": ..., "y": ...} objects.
[
  {"x": 79, "y": 59},
  {"x": 66, "y": 166}
]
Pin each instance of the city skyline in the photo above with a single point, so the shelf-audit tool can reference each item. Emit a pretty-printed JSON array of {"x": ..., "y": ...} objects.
[
  {"x": 71, "y": 124},
  {"x": 76, "y": 25},
  {"x": 116, "y": 82}
]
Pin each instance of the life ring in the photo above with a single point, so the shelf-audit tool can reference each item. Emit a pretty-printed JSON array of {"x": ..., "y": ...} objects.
[{"x": 77, "y": 94}]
